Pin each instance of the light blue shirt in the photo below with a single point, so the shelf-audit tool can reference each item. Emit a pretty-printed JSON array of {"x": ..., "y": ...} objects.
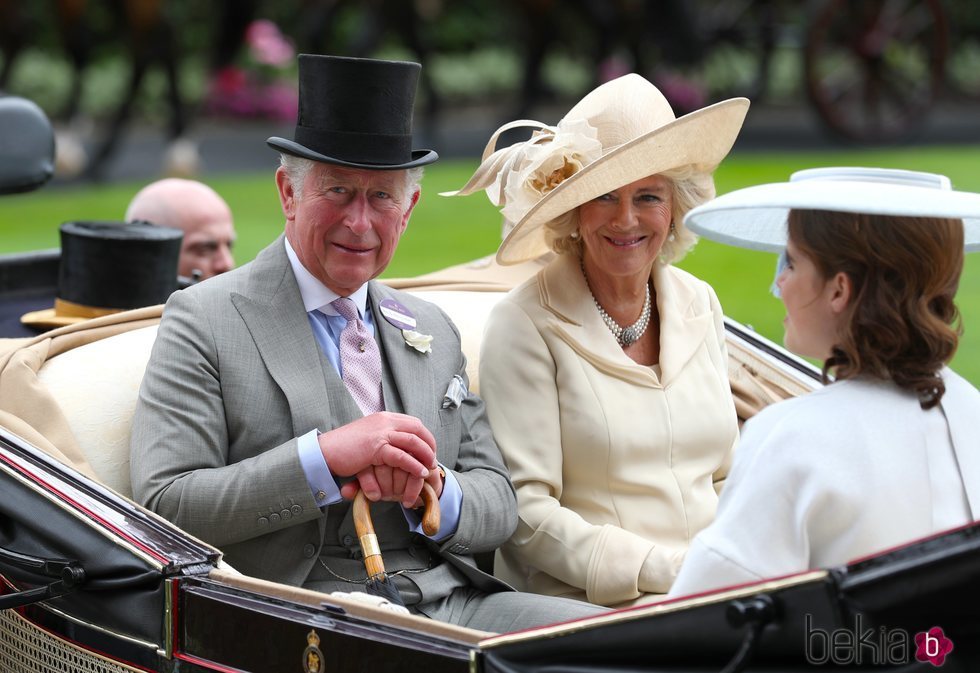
[{"x": 327, "y": 325}]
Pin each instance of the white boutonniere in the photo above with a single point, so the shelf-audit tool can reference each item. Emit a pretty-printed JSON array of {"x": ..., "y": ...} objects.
[{"x": 420, "y": 342}]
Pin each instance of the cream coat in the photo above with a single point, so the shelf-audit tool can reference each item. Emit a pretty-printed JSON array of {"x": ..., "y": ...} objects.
[{"x": 612, "y": 463}]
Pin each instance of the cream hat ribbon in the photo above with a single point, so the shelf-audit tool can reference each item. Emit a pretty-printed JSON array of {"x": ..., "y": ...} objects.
[{"x": 517, "y": 177}]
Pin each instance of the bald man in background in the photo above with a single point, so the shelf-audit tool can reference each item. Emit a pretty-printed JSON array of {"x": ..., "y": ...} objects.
[{"x": 204, "y": 217}]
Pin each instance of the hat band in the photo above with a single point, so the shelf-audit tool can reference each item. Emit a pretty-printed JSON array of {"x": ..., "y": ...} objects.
[
  {"x": 365, "y": 148},
  {"x": 69, "y": 309}
]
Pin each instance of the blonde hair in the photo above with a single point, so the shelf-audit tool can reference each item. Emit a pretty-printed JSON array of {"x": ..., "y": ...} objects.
[{"x": 690, "y": 187}]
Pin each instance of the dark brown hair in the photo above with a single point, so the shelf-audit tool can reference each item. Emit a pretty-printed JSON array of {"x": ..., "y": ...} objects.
[{"x": 901, "y": 323}]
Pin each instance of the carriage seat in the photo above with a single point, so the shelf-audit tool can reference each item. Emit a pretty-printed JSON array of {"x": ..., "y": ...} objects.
[{"x": 96, "y": 385}]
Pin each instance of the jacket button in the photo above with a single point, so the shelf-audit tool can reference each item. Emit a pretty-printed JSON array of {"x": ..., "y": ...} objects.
[
  {"x": 308, "y": 551},
  {"x": 286, "y": 515},
  {"x": 348, "y": 540},
  {"x": 296, "y": 510},
  {"x": 263, "y": 522},
  {"x": 274, "y": 518}
]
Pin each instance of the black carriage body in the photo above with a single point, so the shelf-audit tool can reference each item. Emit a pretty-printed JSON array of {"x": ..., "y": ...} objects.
[
  {"x": 862, "y": 617},
  {"x": 148, "y": 602}
]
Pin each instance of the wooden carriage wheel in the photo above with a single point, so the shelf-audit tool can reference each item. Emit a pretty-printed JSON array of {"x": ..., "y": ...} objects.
[{"x": 875, "y": 67}]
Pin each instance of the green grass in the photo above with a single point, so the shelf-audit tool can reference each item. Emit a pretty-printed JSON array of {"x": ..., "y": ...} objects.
[{"x": 447, "y": 231}]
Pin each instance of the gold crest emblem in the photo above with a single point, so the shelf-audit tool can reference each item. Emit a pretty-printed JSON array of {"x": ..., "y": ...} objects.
[{"x": 312, "y": 656}]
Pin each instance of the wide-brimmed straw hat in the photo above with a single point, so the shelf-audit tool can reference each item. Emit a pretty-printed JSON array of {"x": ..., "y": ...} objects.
[
  {"x": 756, "y": 217},
  {"x": 355, "y": 112},
  {"x": 621, "y": 132}
]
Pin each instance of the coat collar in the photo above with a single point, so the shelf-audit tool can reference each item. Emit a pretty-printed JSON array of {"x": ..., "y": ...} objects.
[
  {"x": 317, "y": 296},
  {"x": 683, "y": 325}
]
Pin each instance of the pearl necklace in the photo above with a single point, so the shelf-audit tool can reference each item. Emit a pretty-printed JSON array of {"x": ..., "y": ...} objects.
[{"x": 625, "y": 336}]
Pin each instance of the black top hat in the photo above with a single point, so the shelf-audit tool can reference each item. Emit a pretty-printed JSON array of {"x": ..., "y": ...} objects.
[
  {"x": 355, "y": 112},
  {"x": 107, "y": 267}
]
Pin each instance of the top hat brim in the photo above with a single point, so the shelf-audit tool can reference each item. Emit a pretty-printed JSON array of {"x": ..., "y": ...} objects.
[
  {"x": 419, "y": 157},
  {"x": 48, "y": 318}
]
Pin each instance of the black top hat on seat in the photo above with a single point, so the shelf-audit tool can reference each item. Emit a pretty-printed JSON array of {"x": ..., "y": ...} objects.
[
  {"x": 356, "y": 112},
  {"x": 108, "y": 267}
]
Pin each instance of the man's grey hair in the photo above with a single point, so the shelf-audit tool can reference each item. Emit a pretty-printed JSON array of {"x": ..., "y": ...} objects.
[{"x": 298, "y": 168}]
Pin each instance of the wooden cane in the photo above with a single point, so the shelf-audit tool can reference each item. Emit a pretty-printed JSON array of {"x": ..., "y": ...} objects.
[{"x": 365, "y": 528}]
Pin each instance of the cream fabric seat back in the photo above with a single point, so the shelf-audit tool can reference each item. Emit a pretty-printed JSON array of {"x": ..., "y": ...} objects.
[
  {"x": 96, "y": 386},
  {"x": 469, "y": 311}
]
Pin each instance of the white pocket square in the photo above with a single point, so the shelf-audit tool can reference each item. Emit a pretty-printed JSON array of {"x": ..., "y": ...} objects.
[{"x": 455, "y": 393}]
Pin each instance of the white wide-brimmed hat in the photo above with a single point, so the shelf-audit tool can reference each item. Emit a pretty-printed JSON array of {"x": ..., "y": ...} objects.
[
  {"x": 621, "y": 132},
  {"x": 756, "y": 217}
]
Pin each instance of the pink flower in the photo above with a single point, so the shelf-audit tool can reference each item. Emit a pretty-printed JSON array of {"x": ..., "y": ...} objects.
[
  {"x": 279, "y": 102},
  {"x": 932, "y": 646},
  {"x": 267, "y": 44}
]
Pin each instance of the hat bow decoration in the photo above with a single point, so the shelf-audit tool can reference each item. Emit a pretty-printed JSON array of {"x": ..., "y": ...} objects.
[{"x": 519, "y": 176}]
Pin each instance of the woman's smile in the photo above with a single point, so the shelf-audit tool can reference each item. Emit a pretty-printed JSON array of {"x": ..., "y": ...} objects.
[{"x": 624, "y": 242}]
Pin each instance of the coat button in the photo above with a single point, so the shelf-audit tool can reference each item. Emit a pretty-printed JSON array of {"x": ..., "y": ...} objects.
[
  {"x": 296, "y": 510},
  {"x": 308, "y": 551},
  {"x": 286, "y": 515},
  {"x": 348, "y": 540},
  {"x": 263, "y": 522},
  {"x": 274, "y": 518}
]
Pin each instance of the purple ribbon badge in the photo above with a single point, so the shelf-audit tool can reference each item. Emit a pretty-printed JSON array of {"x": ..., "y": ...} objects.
[{"x": 397, "y": 314}]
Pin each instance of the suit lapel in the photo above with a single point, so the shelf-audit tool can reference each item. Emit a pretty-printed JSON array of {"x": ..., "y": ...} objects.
[
  {"x": 682, "y": 327},
  {"x": 274, "y": 315},
  {"x": 407, "y": 369}
]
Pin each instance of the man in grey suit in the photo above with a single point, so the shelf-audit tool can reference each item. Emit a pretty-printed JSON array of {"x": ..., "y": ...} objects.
[{"x": 258, "y": 419}]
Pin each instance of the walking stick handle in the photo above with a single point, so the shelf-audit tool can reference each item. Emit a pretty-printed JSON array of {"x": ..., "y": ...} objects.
[
  {"x": 364, "y": 527},
  {"x": 430, "y": 515}
]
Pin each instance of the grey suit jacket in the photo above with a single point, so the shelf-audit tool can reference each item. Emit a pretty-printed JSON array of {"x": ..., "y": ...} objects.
[{"x": 236, "y": 376}]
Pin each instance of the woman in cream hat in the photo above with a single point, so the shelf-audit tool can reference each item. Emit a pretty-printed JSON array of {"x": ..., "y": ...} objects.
[
  {"x": 887, "y": 453},
  {"x": 605, "y": 375}
]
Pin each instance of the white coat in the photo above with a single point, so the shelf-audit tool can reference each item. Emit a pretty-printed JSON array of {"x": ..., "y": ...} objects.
[{"x": 844, "y": 472}]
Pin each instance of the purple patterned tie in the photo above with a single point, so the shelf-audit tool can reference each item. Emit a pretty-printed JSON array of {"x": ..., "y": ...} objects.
[{"x": 360, "y": 359}]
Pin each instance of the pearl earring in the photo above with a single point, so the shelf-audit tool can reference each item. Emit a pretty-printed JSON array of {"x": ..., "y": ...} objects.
[
  {"x": 673, "y": 230},
  {"x": 574, "y": 235}
]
